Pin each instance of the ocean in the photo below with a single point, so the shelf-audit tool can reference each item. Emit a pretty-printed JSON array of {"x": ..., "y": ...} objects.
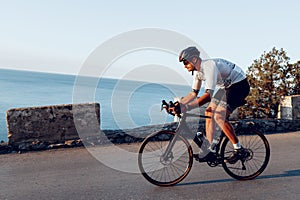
[{"x": 123, "y": 103}]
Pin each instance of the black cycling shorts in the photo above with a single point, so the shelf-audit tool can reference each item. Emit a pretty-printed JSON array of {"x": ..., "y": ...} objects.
[{"x": 233, "y": 96}]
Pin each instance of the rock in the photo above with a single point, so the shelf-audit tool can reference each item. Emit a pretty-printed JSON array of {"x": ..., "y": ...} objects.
[
  {"x": 70, "y": 143},
  {"x": 38, "y": 145},
  {"x": 128, "y": 139},
  {"x": 4, "y": 148},
  {"x": 55, "y": 146},
  {"x": 24, "y": 147}
]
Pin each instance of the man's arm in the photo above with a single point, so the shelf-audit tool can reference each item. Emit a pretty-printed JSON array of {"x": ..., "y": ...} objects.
[
  {"x": 201, "y": 100},
  {"x": 193, "y": 94},
  {"x": 189, "y": 97},
  {"x": 206, "y": 97}
]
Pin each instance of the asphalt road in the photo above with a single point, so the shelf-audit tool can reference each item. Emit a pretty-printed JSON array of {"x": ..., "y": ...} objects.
[{"x": 77, "y": 174}]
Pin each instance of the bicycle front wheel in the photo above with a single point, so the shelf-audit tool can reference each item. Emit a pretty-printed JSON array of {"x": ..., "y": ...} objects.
[
  {"x": 255, "y": 160},
  {"x": 161, "y": 169}
]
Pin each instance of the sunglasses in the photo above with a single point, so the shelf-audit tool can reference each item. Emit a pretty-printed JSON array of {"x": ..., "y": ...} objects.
[{"x": 185, "y": 62}]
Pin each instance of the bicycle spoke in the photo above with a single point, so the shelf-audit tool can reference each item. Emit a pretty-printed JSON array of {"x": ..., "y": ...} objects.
[
  {"x": 258, "y": 153},
  {"x": 161, "y": 167}
]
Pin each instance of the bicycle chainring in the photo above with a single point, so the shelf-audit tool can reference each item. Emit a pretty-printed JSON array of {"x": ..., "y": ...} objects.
[{"x": 215, "y": 162}]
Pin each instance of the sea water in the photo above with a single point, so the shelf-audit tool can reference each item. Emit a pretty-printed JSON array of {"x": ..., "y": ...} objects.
[{"x": 123, "y": 103}]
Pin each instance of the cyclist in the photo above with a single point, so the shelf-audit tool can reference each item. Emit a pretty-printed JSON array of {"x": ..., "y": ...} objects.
[{"x": 226, "y": 88}]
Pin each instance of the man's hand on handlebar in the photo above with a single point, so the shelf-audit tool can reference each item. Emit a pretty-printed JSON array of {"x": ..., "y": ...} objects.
[{"x": 174, "y": 108}]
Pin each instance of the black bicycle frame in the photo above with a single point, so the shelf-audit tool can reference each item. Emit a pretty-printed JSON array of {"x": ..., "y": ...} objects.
[{"x": 183, "y": 126}]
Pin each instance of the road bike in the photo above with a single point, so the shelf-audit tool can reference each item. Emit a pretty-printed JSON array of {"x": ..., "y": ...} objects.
[{"x": 166, "y": 157}]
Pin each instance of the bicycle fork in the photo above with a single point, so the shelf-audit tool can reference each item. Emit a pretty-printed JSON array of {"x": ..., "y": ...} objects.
[{"x": 168, "y": 152}]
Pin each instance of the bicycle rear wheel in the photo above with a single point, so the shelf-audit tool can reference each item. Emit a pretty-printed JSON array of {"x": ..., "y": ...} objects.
[
  {"x": 257, "y": 155},
  {"x": 165, "y": 170}
]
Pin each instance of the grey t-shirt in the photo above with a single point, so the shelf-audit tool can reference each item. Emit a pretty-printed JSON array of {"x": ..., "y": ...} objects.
[{"x": 218, "y": 73}]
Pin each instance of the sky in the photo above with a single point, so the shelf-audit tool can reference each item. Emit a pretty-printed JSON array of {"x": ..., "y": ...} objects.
[{"x": 59, "y": 35}]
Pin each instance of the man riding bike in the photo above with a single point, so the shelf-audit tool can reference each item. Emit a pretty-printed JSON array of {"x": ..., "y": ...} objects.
[{"x": 226, "y": 88}]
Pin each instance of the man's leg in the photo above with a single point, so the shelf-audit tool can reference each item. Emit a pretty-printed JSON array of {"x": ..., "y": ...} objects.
[
  {"x": 228, "y": 130},
  {"x": 210, "y": 124},
  {"x": 226, "y": 126},
  {"x": 221, "y": 115},
  {"x": 205, "y": 153}
]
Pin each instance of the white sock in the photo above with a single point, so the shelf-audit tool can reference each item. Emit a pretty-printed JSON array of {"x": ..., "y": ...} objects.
[
  {"x": 237, "y": 145},
  {"x": 212, "y": 149}
]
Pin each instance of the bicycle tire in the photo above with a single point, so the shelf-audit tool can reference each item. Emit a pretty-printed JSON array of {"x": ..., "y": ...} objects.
[
  {"x": 259, "y": 154},
  {"x": 165, "y": 172}
]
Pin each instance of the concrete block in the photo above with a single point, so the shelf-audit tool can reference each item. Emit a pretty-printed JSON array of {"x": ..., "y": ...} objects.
[
  {"x": 290, "y": 108},
  {"x": 53, "y": 124}
]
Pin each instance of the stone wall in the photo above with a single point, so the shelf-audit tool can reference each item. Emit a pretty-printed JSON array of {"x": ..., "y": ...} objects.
[{"x": 52, "y": 124}]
